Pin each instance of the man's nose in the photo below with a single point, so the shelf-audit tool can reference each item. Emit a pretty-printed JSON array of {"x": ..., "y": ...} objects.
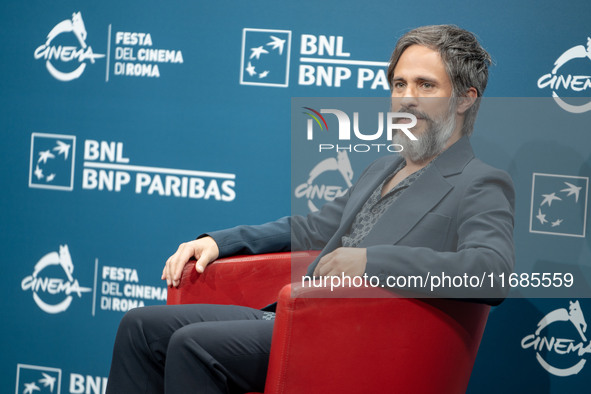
[{"x": 409, "y": 98}]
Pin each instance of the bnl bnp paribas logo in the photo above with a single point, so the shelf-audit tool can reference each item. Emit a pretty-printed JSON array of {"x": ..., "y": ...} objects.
[
  {"x": 560, "y": 355},
  {"x": 323, "y": 61},
  {"x": 52, "y": 161},
  {"x": 105, "y": 168},
  {"x": 65, "y": 51},
  {"x": 565, "y": 80},
  {"x": 35, "y": 379},
  {"x": 559, "y": 205}
]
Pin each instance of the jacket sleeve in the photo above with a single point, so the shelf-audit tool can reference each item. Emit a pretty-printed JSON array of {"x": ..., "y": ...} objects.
[
  {"x": 310, "y": 232},
  {"x": 484, "y": 249}
]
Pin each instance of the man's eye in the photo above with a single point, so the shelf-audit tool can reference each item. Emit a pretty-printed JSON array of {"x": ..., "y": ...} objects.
[
  {"x": 427, "y": 85},
  {"x": 398, "y": 85}
]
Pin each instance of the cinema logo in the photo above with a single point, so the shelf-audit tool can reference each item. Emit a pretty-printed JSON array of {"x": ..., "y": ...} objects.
[
  {"x": 58, "y": 57},
  {"x": 323, "y": 183},
  {"x": 402, "y": 121},
  {"x": 570, "y": 83},
  {"x": 566, "y": 353},
  {"x": 51, "y": 291}
]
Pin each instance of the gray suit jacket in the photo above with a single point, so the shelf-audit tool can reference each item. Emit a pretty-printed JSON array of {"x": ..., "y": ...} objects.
[{"x": 456, "y": 218}]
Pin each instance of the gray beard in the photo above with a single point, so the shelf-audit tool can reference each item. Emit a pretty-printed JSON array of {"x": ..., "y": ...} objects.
[{"x": 431, "y": 142}]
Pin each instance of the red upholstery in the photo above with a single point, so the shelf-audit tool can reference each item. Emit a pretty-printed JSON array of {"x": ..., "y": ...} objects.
[{"x": 342, "y": 344}]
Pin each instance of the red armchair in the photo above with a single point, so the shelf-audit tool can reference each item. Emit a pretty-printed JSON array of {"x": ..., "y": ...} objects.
[{"x": 339, "y": 344}]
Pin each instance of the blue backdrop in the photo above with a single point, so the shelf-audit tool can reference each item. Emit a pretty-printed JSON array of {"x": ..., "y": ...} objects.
[{"x": 128, "y": 128}]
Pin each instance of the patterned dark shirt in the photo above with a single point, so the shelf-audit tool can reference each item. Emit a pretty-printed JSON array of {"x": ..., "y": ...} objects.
[
  {"x": 376, "y": 205},
  {"x": 268, "y": 316}
]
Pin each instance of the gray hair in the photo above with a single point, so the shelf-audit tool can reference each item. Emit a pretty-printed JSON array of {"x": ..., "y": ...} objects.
[{"x": 466, "y": 62}]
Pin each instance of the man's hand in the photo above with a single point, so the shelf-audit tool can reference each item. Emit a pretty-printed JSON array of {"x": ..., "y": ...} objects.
[
  {"x": 205, "y": 250},
  {"x": 348, "y": 261}
]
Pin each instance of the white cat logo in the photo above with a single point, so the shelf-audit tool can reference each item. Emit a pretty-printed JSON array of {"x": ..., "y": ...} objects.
[
  {"x": 67, "y": 53},
  {"x": 328, "y": 193},
  {"x": 574, "y": 314},
  {"x": 560, "y": 346},
  {"x": 54, "y": 286}
]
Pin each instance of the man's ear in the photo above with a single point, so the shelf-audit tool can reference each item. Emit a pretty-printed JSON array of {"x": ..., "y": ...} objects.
[{"x": 466, "y": 101}]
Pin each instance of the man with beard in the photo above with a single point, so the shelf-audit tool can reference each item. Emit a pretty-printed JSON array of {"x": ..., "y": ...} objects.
[{"x": 436, "y": 208}]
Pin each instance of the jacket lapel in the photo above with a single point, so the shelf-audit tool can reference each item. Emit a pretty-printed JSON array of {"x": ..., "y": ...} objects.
[
  {"x": 408, "y": 209},
  {"x": 420, "y": 198},
  {"x": 411, "y": 207},
  {"x": 364, "y": 189},
  {"x": 359, "y": 196}
]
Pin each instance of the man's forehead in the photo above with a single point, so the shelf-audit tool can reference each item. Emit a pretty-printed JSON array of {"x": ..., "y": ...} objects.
[{"x": 419, "y": 59}]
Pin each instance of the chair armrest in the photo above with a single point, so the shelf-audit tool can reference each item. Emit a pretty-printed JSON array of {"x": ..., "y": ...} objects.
[
  {"x": 410, "y": 345},
  {"x": 253, "y": 281}
]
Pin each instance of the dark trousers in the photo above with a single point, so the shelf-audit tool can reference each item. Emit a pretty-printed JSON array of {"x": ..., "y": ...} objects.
[{"x": 191, "y": 349}]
